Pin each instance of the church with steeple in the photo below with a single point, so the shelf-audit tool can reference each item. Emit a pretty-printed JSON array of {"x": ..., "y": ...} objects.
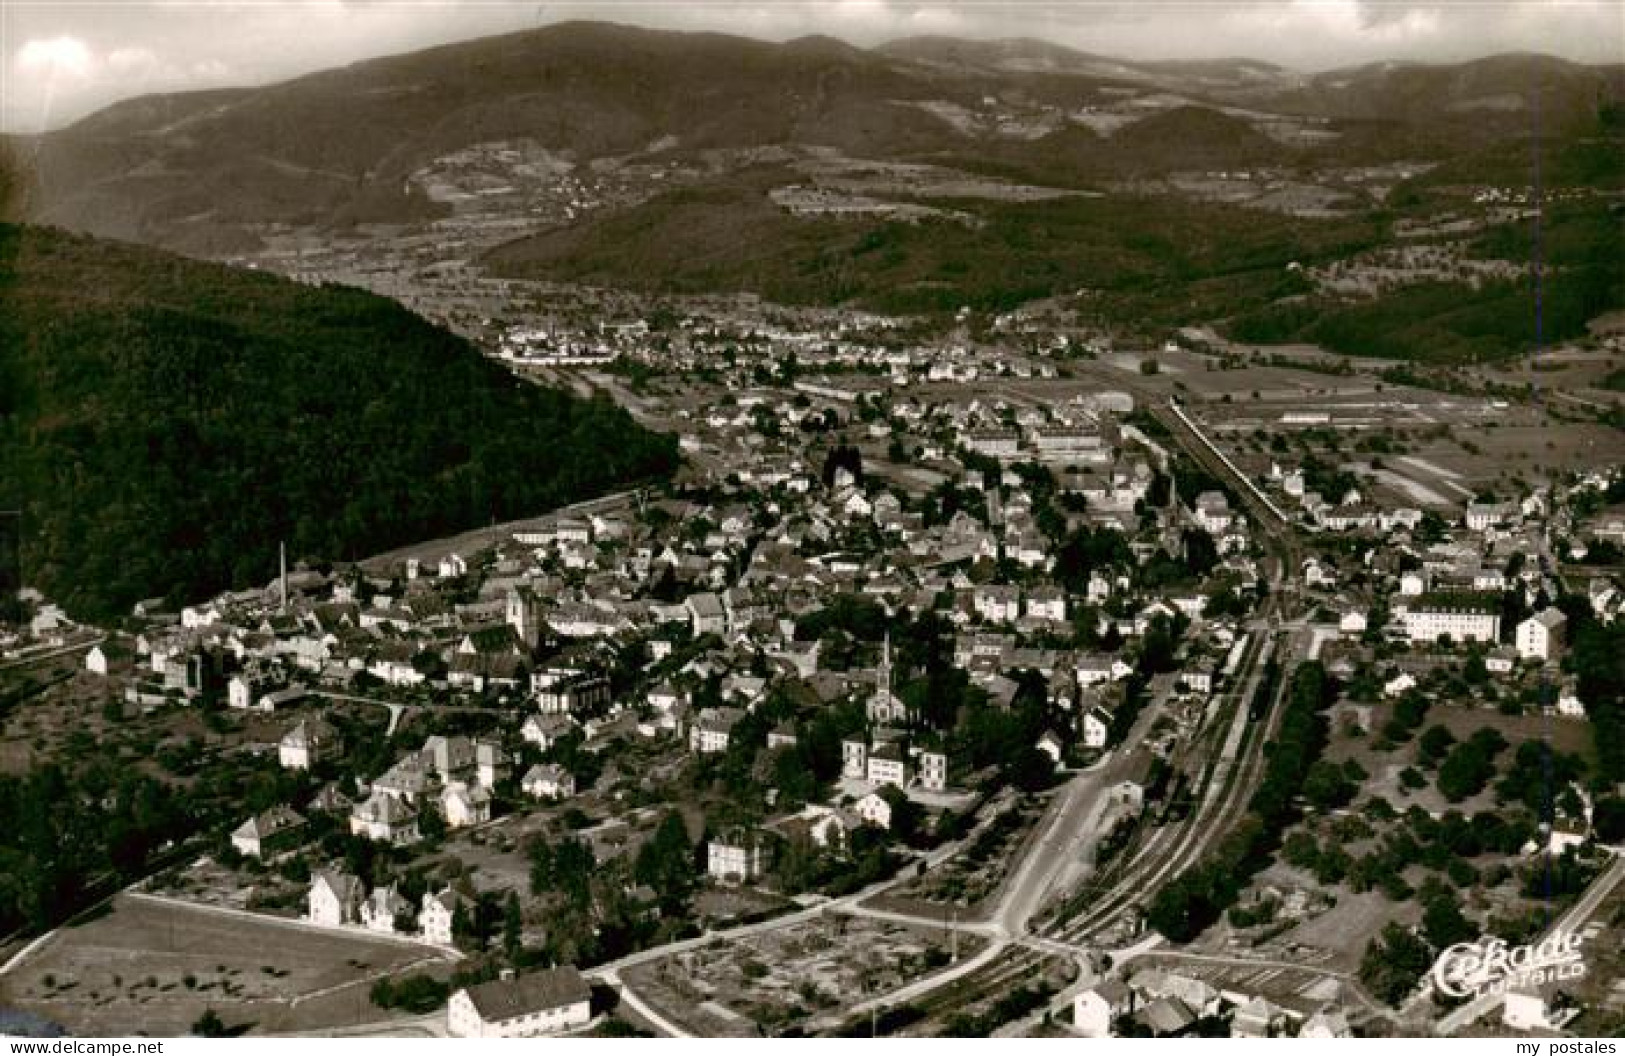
[{"x": 884, "y": 706}]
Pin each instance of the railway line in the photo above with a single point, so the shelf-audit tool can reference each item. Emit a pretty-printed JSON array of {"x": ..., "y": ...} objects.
[
  {"x": 1228, "y": 752},
  {"x": 1233, "y": 761}
]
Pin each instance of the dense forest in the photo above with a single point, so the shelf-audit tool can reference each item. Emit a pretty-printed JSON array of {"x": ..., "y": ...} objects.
[
  {"x": 165, "y": 423},
  {"x": 1573, "y": 245}
]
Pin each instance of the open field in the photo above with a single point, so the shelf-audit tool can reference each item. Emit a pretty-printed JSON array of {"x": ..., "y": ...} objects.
[
  {"x": 161, "y": 965},
  {"x": 1564, "y": 735},
  {"x": 1342, "y": 931}
]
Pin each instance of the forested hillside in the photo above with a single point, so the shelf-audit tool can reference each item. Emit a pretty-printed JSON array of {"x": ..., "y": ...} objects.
[{"x": 164, "y": 423}]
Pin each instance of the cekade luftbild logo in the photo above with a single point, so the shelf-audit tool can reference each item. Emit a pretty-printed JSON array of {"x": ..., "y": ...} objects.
[{"x": 1490, "y": 966}]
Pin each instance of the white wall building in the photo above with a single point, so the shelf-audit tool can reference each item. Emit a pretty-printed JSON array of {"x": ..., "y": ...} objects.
[
  {"x": 552, "y": 1002},
  {"x": 1461, "y": 622},
  {"x": 1540, "y": 637}
]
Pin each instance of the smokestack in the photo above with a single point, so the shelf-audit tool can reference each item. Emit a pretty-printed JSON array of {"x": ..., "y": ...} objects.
[{"x": 282, "y": 557}]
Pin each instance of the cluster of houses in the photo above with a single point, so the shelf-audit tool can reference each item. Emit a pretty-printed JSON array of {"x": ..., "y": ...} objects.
[
  {"x": 1157, "y": 1002},
  {"x": 554, "y": 1001},
  {"x": 1457, "y": 586},
  {"x": 706, "y": 597},
  {"x": 340, "y": 900},
  {"x": 542, "y": 622}
]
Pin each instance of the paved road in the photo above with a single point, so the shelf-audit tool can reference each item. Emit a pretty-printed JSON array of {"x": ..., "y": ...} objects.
[
  {"x": 449, "y": 953},
  {"x": 398, "y": 710},
  {"x": 479, "y": 538},
  {"x": 611, "y": 973},
  {"x": 81, "y": 646},
  {"x": 1066, "y": 833},
  {"x": 642, "y": 1008}
]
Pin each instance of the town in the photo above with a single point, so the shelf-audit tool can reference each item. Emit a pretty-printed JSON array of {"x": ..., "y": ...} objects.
[
  {"x": 878, "y": 520},
  {"x": 959, "y": 687}
]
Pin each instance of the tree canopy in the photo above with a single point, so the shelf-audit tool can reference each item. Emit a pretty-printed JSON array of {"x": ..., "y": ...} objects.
[{"x": 164, "y": 423}]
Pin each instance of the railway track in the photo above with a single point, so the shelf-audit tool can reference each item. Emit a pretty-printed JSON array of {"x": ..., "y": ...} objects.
[
  {"x": 1232, "y": 750},
  {"x": 1173, "y": 850}
]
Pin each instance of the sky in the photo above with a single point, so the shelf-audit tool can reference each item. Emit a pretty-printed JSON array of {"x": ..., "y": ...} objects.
[{"x": 63, "y": 59}]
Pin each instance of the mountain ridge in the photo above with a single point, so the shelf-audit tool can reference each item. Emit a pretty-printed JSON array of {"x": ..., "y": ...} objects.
[{"x": 199, "y": 171}]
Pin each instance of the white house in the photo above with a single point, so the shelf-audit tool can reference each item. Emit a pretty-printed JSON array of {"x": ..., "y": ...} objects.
[
  {"x": 435, "y": 916},
  {"x": 1047, "y": 603},
  {"x": 854, "y": 757},
  {"x": 996, "y": 603},
  {"x": 541, "y": 1003},
  {"x": 334, "y": 899},
  {"x": 310, "y": 743},
  {"x": 1569, "y": 704},
  {"x": 934, "y": 771},
  {"x": 490, "y": 764},
  {"x": 737, "y": 858},
  {"x": 385, "y": 819},
  {"x": 1094, "y": 1010},
  {"x": 107, "y": 657},
  {"x": 713, "y": 731},
  {"x": 874, "y": 810},
  {"x": 1101, "y": 667},
  {"x": 1501, "y": 661},
  {"x": 383, "y": 908},
  {"x": 1459, "y": 620},
  {"x": 266, "y": 830},
  {"x": 1540, "y": 637},
  {"x": 544, "y": 731},
  {"x": 664, "y": 698},
  {"x": 1212, "y": 512},
  {"x": 1482, "y": 516},
  {"x": 707, "y": 614},
  {"x": 465, "y": 805},
  {"x": 1097, "y": 725},
  {"x": 243, "y": 692},
  {"x": 548, "y": 781},
  {"x": 1258, "y": 1017},
  {"x": 887, "y": 766}
]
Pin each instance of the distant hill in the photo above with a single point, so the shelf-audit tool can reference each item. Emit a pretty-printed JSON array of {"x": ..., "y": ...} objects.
[
  {"x": 165, "y": 423},
  {"x": 174, "y": 170},
  {"x": 198, "y": 171},
  {"x": 1501, "y": 91},
  {"x": 1158, "y": 256},
  {"x": 1027, "y": 56}
]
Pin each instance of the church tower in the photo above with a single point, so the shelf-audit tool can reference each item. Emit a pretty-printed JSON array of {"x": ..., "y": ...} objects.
[{"x": 524, "y": 615}]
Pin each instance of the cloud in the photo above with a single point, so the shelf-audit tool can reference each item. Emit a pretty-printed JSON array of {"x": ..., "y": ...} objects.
[
  {"x": 132, "y": 62},
  {"x": 74, "y": 58},
  {"x": 56, "y": 57}
]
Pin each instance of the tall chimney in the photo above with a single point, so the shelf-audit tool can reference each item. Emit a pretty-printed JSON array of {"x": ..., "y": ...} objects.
[{"x": 282, "y": 556}]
